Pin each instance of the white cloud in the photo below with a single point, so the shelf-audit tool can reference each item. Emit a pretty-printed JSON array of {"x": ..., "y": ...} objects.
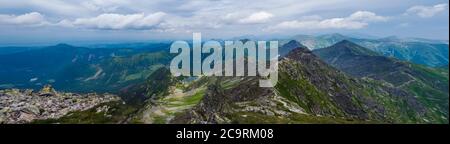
[
  {"x": 217, "y": 17},
  {"x": 117, "y": 21},
  {"x": 311, "y": 17},
  {"x": 28, "y": 19},
  {"x": 57, "y": 7},
  {"x": 357, "y": 20},
  {"x": 258, "y": 17},
  {"x": 110, "y": 21},
  {"x": 324, "y": 24},
  {"x": 104, "y": 5},
  {"x": 246, "y": 17},
  {"x": 427, "y": 11},
  {"x": 202, "y": 15},
  {"x": 366, "y": 16}
]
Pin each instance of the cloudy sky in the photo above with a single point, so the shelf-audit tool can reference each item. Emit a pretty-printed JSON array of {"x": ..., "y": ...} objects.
[{"x": 56, "y": 21}]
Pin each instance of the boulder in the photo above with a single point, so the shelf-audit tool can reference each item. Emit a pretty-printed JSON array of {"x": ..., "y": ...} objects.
[
  {"x": 32, "y": 110},
  {"x": 47, "y": 90},
  {"x": 27, "y": 117}
]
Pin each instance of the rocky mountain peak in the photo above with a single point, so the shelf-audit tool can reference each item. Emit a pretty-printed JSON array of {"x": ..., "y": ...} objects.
[
  {"x": 301, "y": 54},
  {"x": 294, "y": 43},
  {"x": 63, "y": 45},
  {"x": 288, "y": 47},
  {"x": 346, "y": 47}
]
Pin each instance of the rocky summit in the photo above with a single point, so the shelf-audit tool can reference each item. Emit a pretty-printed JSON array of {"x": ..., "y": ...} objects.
[{"x": 24, "y": 106}]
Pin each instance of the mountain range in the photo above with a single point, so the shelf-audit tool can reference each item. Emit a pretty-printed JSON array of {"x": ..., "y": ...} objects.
[
  {"x": 80, "y": 69},
  {"x": 322, "y": 79},
  {"x": 432, "y": 53},
  {"x": 308, "y": 91}
]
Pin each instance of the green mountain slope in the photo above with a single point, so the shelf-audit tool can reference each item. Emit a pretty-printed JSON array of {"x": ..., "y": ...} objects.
[
  {"x": 428, "y": 84},
  {"x": 308, "y": 91},
  {"x": 80, "y": 69}
]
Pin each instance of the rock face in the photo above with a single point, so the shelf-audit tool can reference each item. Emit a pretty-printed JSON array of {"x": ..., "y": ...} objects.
[
  {"x": 324, "y": 90},
  {"x": 428, "y": 84},
  {"x": 24, "y": 106}
]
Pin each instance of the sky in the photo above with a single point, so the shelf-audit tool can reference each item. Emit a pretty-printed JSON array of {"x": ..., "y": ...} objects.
[{"x": 71, "y": 21}]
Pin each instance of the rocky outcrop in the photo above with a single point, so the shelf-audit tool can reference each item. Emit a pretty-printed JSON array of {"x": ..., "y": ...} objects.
[
  {"x": 227, "y": 97},
  {"x": 24, "y": 106}
]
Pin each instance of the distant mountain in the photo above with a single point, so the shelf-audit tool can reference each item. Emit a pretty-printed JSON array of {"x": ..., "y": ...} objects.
[
  {"x": 288, "y": 47},
  {"x": 418, "y": 40},
  {"x": 316, "y": 42},
  {"x": 429, "y": 84},
  {"x": 10, "y": 50},
  {"x": 345, "y": 47},
  {"x": 79, "y": 69},
  {"x": 434, "y": 55},
  {"x": 419, "y": 51}
]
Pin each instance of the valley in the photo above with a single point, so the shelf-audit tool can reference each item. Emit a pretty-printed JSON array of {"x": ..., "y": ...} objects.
[{"x": 322, "y": 79}]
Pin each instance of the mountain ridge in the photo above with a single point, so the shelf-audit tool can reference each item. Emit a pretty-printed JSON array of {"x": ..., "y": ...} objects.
[
  {"x": 308, "y": 89},
  {"x": 429, "y": 84}
]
